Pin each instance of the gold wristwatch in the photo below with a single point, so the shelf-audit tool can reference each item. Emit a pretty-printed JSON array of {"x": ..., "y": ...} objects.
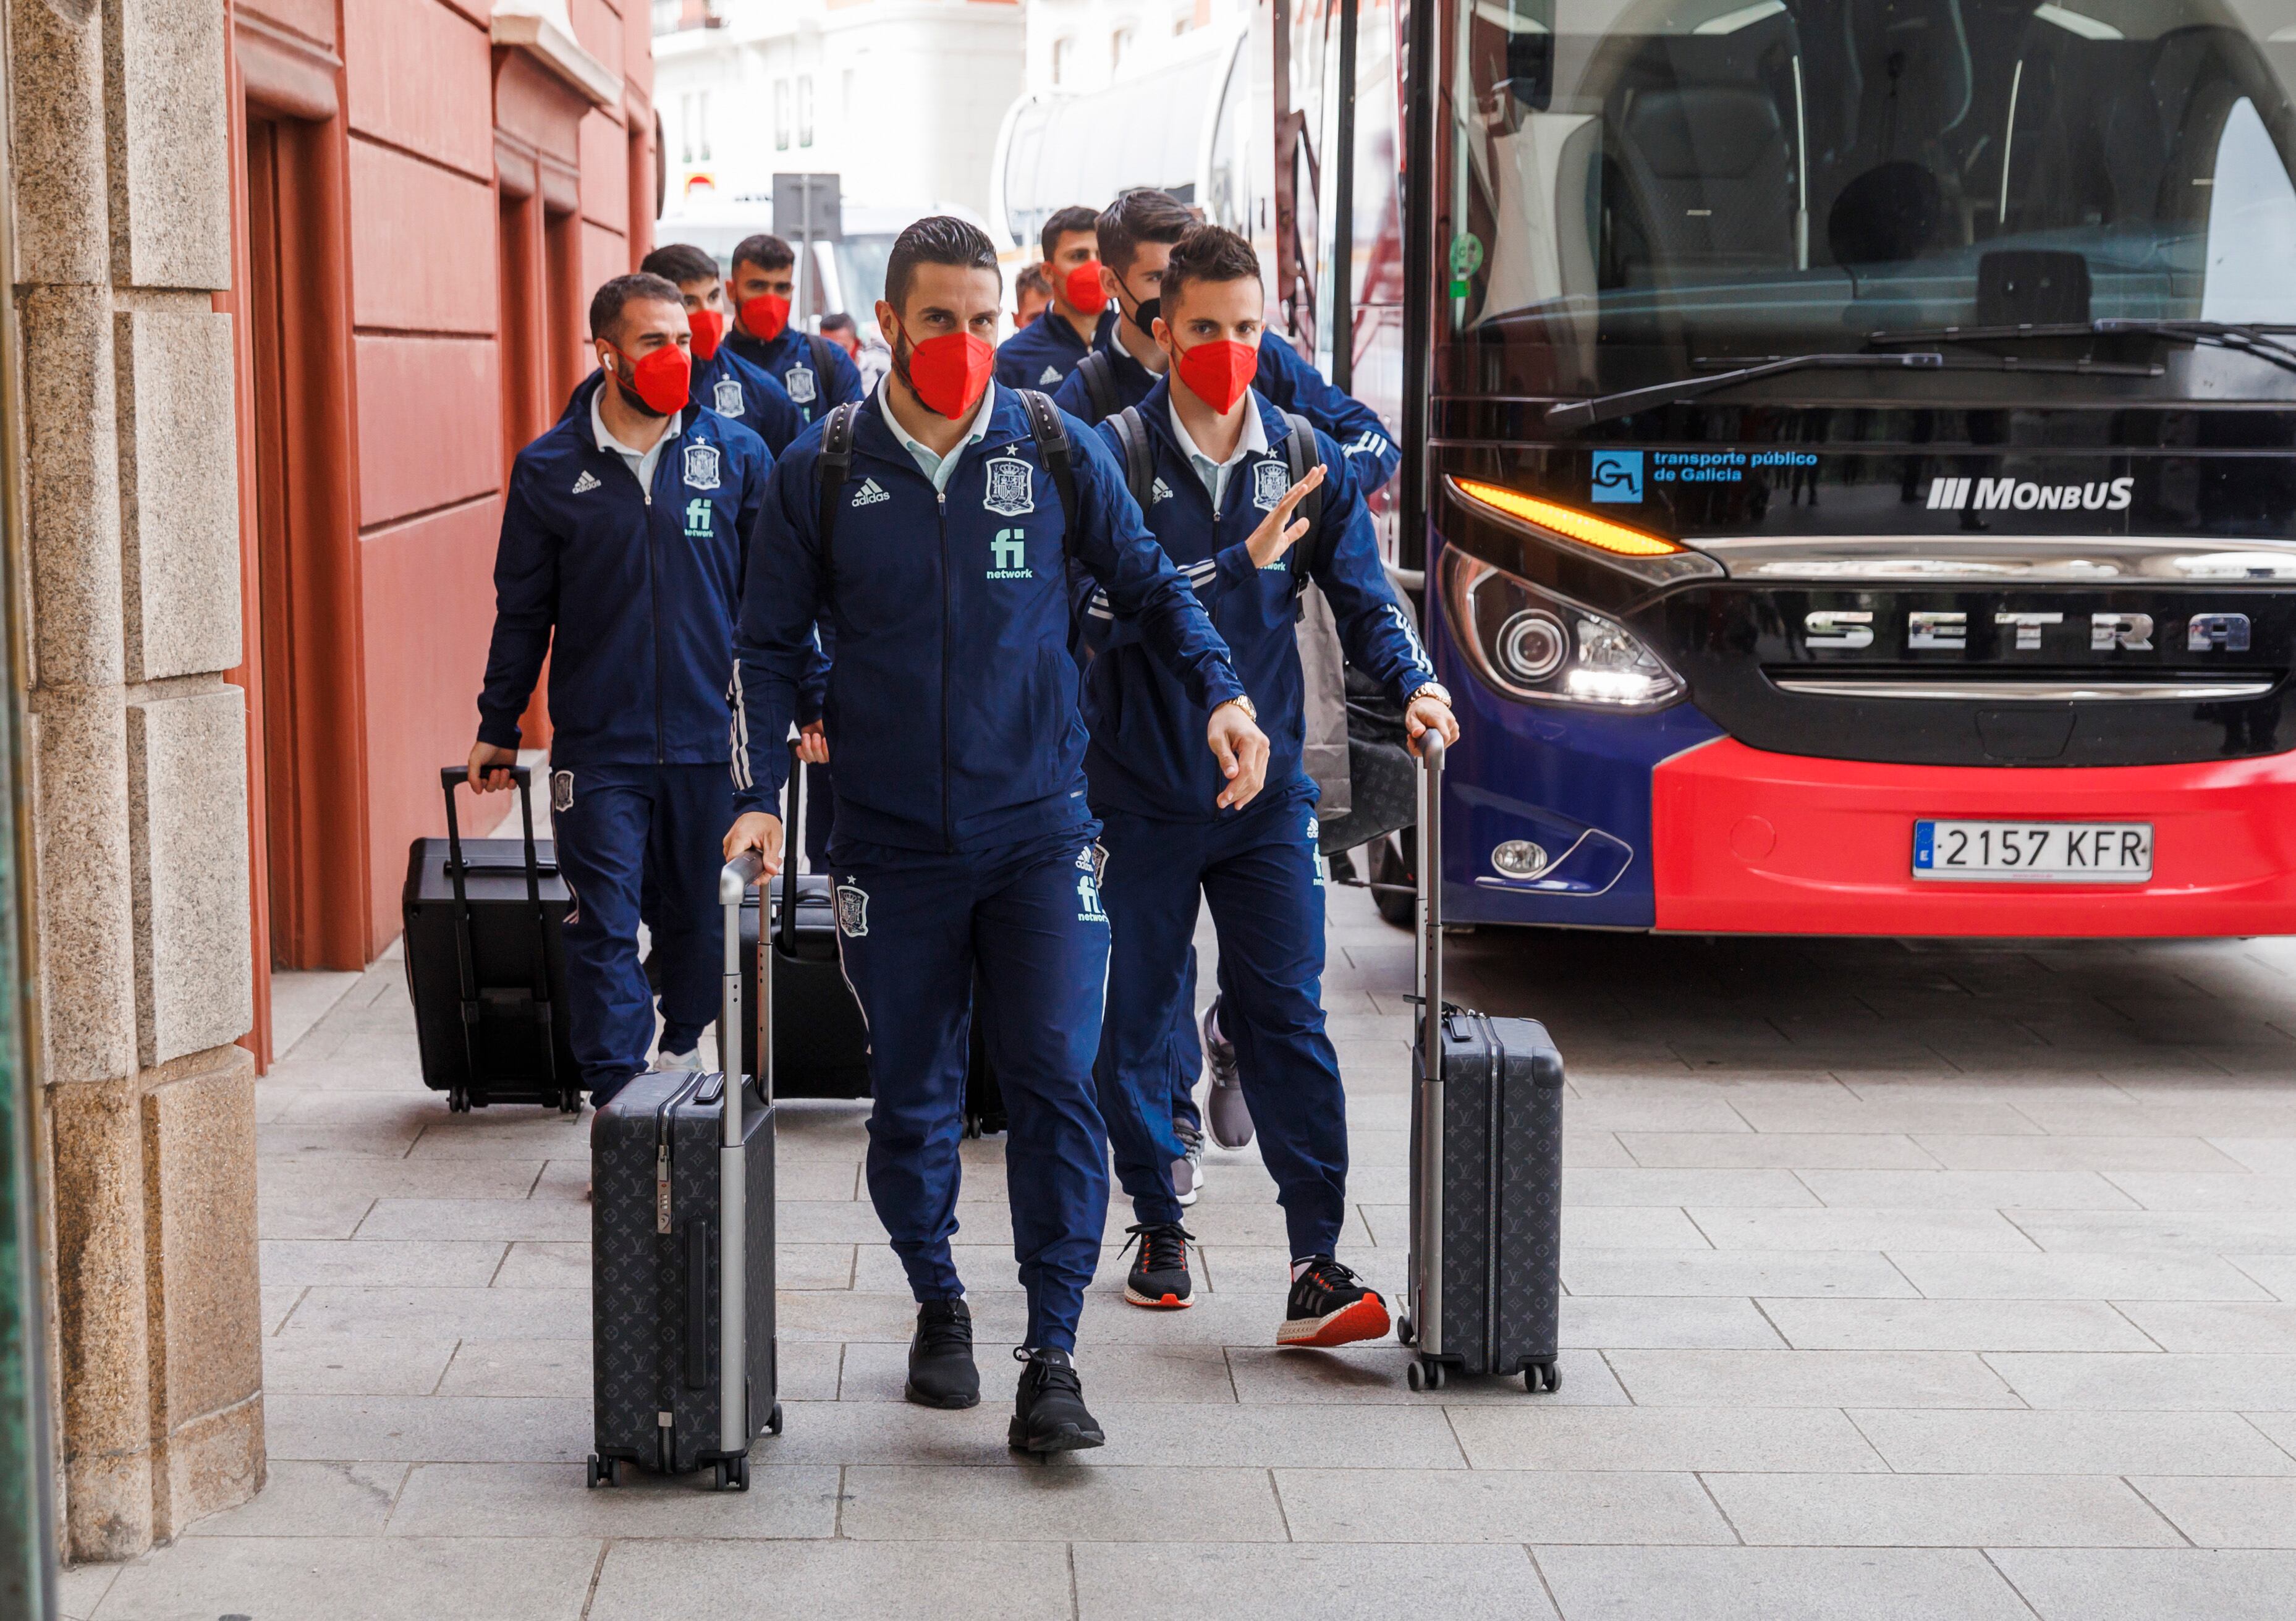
[
  {"x": 1250, "y": 709},
  {"x": 1435, "y": 689}
]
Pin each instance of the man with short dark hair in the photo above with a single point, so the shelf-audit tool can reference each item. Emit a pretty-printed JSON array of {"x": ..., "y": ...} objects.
[
  {"x": 1220, "y": 472},
  {"x": 1032, "y": 296},
  {"x": 936, "y": 527},
  {"x": 621, "y": 558},
  {"x": 816, "y": 372},
  {"x": 1041, "y": 355},
  {"x": 868, "y": 354}
]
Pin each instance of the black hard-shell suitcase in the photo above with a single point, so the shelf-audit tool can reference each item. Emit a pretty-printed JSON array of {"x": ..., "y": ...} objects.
[
  {"x": 821, "y": 1043},
  {"x": 682, "y": 1257},
  {"x": 1485, "y": 1269},
  {"x": 486, "y": 969}
]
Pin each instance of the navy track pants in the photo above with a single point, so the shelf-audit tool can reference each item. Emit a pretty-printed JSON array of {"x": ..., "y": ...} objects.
[
  {"x": 633, "y": 836},
  {"x": 912, "y": 928},
  {"x": 1260, "y": 872}
]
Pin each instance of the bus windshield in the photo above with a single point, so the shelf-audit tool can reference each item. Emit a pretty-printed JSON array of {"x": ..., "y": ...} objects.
[{"x": 1637, "y": 187}]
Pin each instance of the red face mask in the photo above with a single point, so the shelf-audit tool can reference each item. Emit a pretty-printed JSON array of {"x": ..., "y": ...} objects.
[
  {"x": 709, "y": 330},
  {"x": 661, "y": 379},
  {"x": 950, "y": 373},
  {"x": 1219, "y": 373},
  {"x": 765, "y": 315},
  {"x": 1083, "y": 291}
]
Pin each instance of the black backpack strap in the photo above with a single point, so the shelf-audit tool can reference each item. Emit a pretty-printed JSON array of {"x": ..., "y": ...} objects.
[
  {"x": 1052, "y": 437},
  {"x": 831, "y": 469},
  {"x": 1099, "y": 373},
  {"x": 1139, "y": 456},
  {"x": 1300, "y": 454},
  {"x": 824, "y": 367}
]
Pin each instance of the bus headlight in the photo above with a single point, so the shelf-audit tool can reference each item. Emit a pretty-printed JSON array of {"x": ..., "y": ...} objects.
[{"x": 1529, "y": 644}]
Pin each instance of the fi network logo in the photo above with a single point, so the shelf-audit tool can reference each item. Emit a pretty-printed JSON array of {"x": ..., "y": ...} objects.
[
  {"x": 1008, "y": 555},
  {"x": 1618, "y": 475},
  {"x": 697, "y": 525}
]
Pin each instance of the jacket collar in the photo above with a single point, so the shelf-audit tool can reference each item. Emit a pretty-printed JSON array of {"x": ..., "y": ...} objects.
[
  {"x": 873, "y": 432},
  {"x": 1156, "y": 412}
]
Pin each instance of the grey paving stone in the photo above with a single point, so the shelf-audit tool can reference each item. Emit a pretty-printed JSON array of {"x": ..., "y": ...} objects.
[
  {"x": 2272, "y": 1272},
  {"x": 1498, "y": 1506},
  {"x": 2180, "y": 1584},
  {"x": 876, "y": 1370},
  {"x": 1535, "y": 1435},
  {"x": 303, "y": 1214},
  {"x": 447, "y": 1314},
  {"x": 1943, "y": 1275},
  {"x": 1080, "y": 1501},
  {"x": 548, "y": 1220},
  {"x": 520, "y": 1499},
  {"x": 353, "y": 1364},
  {"x": 277, "y": 1304},
  {"x": 831, "y": 1432},
  {"x": 2156, "y": 1383},
  {"x": 2078, "y": 1154},
  {"x": 536, "y": 1265},
  {"x": 1891, "y": 1230},
  {"x": 1955, "y": 1325},
  {"x": 1777, "y": 1584},
  {"x": 2218, "y": 1512},
  {"x": 495, "y": 1134},
  {"x": 2200, "y": 1326},
  {"x": 2273, "y": 1155},
  {"x": 1845, "y": 1273},
  {"x": 1914, "y": 1116},
  {"x": 987, "y": 1269},
  {"x": 1375, "y": 1374},
  {"x": 1589, "y": 1151},
  {"x": 81, "y": 1588},
  {"x": 312, "y": 1500},
  {"x": 1689, "y": 1112},
  {"x": 1607, "y": 1227},
  {"x": 462, "y": 1264},
  {"x": 1381, "y": 1582},
  {"x": 1939, "y": 1511},
  {"x": 2025, "y": 1442},
  {"x": 2203, "y": 1190},
  {"x": 1966, "y": 1190},
  {"x": 356, "y": 1579},
  {"x": 1809, "y": 1378},
  {"x": 837, "y": 1581},
  {"x": 433, "y": 1428},
  {"x": 1794, "y": 1151},
  {"x": 1604, "y": 1321},
  {"x": 343, "y": 1174},
  {"x": 1226, "y": 1436},
  {"x": 1660, "y": 1187},
  {"x": 279, "y": 1140},
  {"x": 519, "y": 1367}
]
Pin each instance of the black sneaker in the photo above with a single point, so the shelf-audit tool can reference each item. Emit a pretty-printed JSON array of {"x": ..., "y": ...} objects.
[
  {"x": 941, "y": 1373},
  {"x": 1048, "y": 1411},
  {"x": 1330, "y": 1306},
  {"x": 1159, "y": 1272}
]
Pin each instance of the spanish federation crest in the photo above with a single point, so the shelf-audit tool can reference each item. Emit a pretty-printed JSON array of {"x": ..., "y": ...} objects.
[
  {"x": 726, "y": 396},
  {"x": 1269, "y": 481},
  {"x": 798, "y": 381},
  {"x": 702, "y": 467},
  {"x": 852, "y": 910},
  {"x": 1012, "y": 489}
]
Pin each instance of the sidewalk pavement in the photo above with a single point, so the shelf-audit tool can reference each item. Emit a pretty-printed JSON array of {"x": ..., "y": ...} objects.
[{"x": 1905, "y": 1281}]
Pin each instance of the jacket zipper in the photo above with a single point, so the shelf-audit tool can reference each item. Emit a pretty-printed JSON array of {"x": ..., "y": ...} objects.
[
  {"x": 654, "y": 591},
  {"x": 947, "y": 828}
]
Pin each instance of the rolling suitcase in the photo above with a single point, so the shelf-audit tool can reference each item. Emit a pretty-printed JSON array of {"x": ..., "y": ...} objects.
[
  {"x": 682, "y": 1256},
  {"x": 1485, "y": 1271},
  {"x": 486, "y": 969},
  {"x": 821, "y": 1042}
]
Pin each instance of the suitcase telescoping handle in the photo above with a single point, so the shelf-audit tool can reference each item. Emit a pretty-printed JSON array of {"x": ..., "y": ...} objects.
[
  {"x": 1424, "y": 1266},
  {"x": 450, "y": 778},
  {"x": 733, "y": 1173},
  {"x": 792, "y": 830},
  {"x": 1430, "y": 907}
]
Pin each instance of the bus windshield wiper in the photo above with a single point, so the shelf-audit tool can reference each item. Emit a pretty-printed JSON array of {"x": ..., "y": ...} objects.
[
  {"x": 2263, "y": 343},
  {"x": 1606, "y": 407}
]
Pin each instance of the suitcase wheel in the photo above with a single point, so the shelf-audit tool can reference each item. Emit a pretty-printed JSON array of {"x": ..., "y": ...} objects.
[
  {"x": 773, "y": 1420},
  {"x": 458, "y": 1102},
  {"x": 1543, "y": 1376},
  {"x": 1405, "y": 1334},
  {"x": 605, "y": 1472},
  {"x": 733, "y": 1474},
  {"x": 1425, "y": 1373},
  {"x": 570, "y": 1101}
]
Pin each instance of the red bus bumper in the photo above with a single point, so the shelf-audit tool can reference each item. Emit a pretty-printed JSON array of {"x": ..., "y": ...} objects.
[{"x": 1747, "y": 842}]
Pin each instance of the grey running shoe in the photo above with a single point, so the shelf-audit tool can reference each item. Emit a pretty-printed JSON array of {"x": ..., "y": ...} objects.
[
  {"x": 1188, "y": 1171},
  {"x": 1224, "y": 1110}
]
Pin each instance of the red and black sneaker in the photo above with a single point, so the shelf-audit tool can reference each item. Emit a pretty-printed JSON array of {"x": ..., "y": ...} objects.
[
  {"x": 1330, "y": 1306},
  {"x": 1159, "y": 1277}
]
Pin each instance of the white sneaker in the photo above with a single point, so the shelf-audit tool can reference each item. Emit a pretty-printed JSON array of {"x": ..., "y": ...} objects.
[
  {"x": 669, "y": 1061},
  {"x": 1188, "y": 1173}
]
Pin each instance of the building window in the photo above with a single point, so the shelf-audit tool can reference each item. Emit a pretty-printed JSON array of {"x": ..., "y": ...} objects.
[
  {"x": 1063, "y": 60},
  {"x": 685, "y": 127},
  {"x": 1120, "y": 46},
  {"x": 702, "y": 125},
  {"x": 805, "y": 110},
  {"x": 781, "y": 115}
]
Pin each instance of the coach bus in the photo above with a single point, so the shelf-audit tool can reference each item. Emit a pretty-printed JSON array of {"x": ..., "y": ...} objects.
[{"x": 1849, "y": 447}]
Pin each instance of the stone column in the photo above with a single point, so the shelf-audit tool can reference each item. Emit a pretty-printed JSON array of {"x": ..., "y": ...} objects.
[{"x": 122, "y": 232}]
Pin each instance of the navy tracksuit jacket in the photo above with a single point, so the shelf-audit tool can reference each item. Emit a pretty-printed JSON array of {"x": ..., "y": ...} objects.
[
  {"x": 730, "y": 386},
  {"x": 1284, "y": 380},
  {"x": 633, "y": 593},
  {"x": 790, "y": 362},
  {"x": 963, "y": 830},
  {"x": 1041, "y": 353},
  {"x": 1257, "y": 867}
]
